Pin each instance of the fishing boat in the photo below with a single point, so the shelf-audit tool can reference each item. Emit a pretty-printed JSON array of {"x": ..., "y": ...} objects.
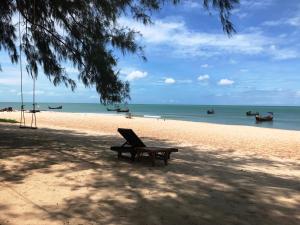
[
  {"x": 8, "y": 109},
  {"x": 264, "y": 118},
  {"x": 58, "y": 107},
  {"x": 34, "y": 111},
  {"x": 115, "y": 109},
  {"x": 210, "y": 111},
  {"x": 250, "y": 113},
  {"x": 122, "y": 110}
]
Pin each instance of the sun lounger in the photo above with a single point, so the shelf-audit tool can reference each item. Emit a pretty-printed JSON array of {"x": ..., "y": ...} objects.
[{"x": 135, "y": 147}]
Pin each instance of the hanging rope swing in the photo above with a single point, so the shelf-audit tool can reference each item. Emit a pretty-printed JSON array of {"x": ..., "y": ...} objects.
[{"x": 33, "y": 111}]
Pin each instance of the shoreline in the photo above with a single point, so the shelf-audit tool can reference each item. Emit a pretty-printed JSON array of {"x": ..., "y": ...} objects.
[
  {"x": 285, "y": 118},
  {"x": 157, "y": 117}
]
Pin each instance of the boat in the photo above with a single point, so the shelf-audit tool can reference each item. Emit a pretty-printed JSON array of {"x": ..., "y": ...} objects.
[
  {"x": 264, "y": 118},
  {"x": 34, "y": 111},
  {"x": 115, "y": 109},
  {"x": 250, "y": 113},
  {"x": 8, "y": 109},
  {"x": 122, "y": 110},
  {"x": 210, "y": 111},
  {"x": 58, "y": 107}
]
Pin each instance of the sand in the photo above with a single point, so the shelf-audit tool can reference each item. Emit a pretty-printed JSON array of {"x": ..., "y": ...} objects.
[{"x": 64, "y": 173}]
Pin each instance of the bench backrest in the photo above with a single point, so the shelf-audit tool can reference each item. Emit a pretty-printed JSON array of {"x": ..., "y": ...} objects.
[{"x": 131, "y": 137}]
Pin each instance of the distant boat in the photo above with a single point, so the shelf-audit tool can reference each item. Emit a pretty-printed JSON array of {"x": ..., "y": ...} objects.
[
  {"x": 210, "y": 111},
  {"x": 8, "y": 109},
  {"x": 115, "y": 109},
  {"x": 264, "y": 118},
  {"x": 122, "y": 110},
  {"x": 34, "y": 111},
  {"x": 250, "y": 113},
  {"x": 58, "y": 107}
]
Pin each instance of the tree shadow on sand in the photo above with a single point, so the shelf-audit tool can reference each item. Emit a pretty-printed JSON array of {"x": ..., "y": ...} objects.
[{"x": 85, "y": 182}]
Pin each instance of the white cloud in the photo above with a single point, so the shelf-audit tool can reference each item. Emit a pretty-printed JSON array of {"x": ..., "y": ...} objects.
[
  {"x": 204, "y": 77},
  {"x": 94, "y": 97},
  {"x": 37, "y": 92},
  {"x": 135, "y": 75},
  {"x": 184, "y": 81},
  {"x": 232, "y": 61},
  {"x": 244, "y": 70},
  {"x": 169, "y": 80},
  {"x": 297, "y": 94},
  {"x": 175, "y": 36},
  {"x": 9, "y": 81},
  {"x": 282, "y": 54},
  {"x": 292, "y": 21},
  {"x": 204, "y": 65},
  {"x": 12, "y": 75},
  {"x": 272, "y": 23},
  {"x": 242, "y": 15},
  {"x": 225, "y": 82},
  {"x": 52, "y": 93},
  {"x": 256, "y": 4},
  {"x": 191, "y": 4}
]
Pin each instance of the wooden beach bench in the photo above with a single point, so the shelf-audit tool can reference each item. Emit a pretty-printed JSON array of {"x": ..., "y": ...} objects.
[{"x": 135, "y": 147}]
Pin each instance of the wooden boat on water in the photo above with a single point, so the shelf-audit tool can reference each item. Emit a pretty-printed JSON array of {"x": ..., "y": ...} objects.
[
  {"x": 210, "y": 111},
  {"x": 264, "y": 118},
  {"x": 58, "y": 107},
  {"x": 115, "y": 109},
  {"x": 250, "y": 113},
  {"x": 122, "y": 110},
  {"x": 34, "y": 111},
  {"x": 8, "y": 109}
]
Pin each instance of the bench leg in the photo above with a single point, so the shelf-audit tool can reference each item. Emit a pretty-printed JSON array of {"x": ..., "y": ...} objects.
[
  {"x": 132, "y": 156},
  {"x": 119, "y": 154},
  {"x": 166, "y": 157},
  {"x": 152, "y": 157},
  {"x": 139, "y": 154}
]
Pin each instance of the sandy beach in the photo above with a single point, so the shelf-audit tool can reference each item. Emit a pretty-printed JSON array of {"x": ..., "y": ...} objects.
[{"x": 64, "y": 173}]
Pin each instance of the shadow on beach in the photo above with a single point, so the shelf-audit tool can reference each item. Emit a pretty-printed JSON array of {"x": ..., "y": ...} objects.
[{"x": 68, "y": 177}]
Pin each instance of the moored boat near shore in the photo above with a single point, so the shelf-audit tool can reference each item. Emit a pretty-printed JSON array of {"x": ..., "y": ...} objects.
[
  {"x": 122, "y": 110},
  {"x": 264, "y": 118},
  {"x": 58, "y": 107},
  {"x": 115, "y": 109}
]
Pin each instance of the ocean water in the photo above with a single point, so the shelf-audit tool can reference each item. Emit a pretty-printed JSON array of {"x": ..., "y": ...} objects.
[{"x": 285, "y": 117}]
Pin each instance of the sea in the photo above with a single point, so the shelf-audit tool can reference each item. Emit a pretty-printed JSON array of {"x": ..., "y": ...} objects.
[{"x": 285, "y": 117}]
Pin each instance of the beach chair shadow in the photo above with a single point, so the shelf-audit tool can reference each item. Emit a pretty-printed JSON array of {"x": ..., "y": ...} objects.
[{"x": 136, "y": 148}]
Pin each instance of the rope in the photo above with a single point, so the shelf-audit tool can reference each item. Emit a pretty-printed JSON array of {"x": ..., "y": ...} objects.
[
  {"x": 33, "y": 115},
  {"x": 33, "y": 111},
  {"x": 22, "y": 120}
]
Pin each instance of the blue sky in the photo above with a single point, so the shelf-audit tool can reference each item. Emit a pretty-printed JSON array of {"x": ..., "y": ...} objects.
[{"x": 191, "y": 60}]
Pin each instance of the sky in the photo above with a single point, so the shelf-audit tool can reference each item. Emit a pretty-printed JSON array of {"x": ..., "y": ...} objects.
[{"x": 191, "y": 61}]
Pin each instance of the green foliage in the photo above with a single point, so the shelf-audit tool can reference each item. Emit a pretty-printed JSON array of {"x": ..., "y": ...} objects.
[
  {"x": 85, "y": 33},
  {"x": 7, "y": 121}
]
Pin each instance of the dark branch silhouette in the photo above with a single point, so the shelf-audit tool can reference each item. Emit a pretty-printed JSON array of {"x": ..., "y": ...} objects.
[{"x": 85, "y": 33}]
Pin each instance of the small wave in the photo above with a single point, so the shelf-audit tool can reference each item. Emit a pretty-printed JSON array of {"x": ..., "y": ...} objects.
[{"x": 150, "y": 116}]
